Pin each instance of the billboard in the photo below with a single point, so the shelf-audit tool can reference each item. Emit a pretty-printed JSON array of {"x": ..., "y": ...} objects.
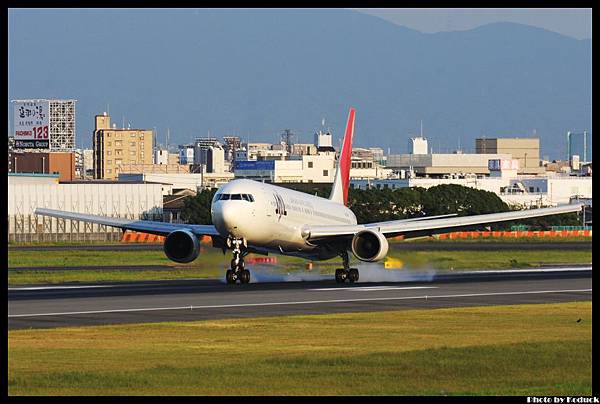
[
  {"x": 32, "y": 124},
  {"x": 255, "y": 165}
]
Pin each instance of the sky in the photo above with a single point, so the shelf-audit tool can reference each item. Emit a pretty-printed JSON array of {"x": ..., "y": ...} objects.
[
  {"x": 225, "y": 96},
  {"x": 573, "y": 22}
]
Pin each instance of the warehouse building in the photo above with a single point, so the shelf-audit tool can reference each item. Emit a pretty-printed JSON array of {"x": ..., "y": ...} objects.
[{"x": 29, "y": 191}]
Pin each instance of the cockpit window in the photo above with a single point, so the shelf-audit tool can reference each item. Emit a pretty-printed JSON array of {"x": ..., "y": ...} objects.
[{"x": 236, "y": 197}]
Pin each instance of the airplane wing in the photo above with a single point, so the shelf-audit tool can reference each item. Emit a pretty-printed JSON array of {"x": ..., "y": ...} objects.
[
  {"x": 146, "y": 226},
  {"x": 418, "y": 228}
]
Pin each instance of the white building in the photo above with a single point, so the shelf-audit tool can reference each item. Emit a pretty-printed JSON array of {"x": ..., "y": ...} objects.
[
  {"x": 318, "y": 168},
  {"x": 161, "y": 157},
  {"x": 513, "y": 189},
  {"x": 171, "y": 182},
  {"x": 443, "y": 164},
  {"x": 417, "y": 145},
  {"x": 29, "y": 191},
  {"x": 215, "y": 159}
]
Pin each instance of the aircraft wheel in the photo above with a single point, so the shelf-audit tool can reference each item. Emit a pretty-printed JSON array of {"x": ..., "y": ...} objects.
[
  {"x": 230, "y": 276},
  {"x": 353, "y": 275},
  {"x": 245, "y": 276},
  {"x": 340, "y": 276}
]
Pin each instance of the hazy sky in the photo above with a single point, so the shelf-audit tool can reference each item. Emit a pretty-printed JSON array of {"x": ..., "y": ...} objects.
[{"x": 574, "y": 22}]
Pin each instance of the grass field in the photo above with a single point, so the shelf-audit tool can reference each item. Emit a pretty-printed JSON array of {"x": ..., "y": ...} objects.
[
  {"x": 501, "y": 350},
  {"x": 212, "y": 263}
]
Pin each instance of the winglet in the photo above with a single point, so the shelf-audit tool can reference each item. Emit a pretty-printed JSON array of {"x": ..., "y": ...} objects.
[{"x": 341, "y": 183}]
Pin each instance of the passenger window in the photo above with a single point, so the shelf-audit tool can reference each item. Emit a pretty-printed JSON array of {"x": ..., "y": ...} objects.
[{"x": 236, "y": 197}]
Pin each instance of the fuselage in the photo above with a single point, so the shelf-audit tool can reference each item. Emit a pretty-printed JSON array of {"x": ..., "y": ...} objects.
[{"x": 271, "y": 218}]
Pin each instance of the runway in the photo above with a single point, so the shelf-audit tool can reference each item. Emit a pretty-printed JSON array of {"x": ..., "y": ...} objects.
[
  {"x": 187, "y": 300},
  {"x": 400, "y": 246}
]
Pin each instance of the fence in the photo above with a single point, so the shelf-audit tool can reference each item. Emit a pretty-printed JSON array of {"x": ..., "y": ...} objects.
[{"x": 38, "y": 228}]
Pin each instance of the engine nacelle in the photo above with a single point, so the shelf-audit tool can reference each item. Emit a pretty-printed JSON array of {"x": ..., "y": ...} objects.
[
  {"x": 182, "y": 246},
  {"x": 369, "y": 245}
]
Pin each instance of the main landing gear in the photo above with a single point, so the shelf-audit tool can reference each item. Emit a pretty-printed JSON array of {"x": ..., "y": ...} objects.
[
  {"x": 237, "y": 271},
  {"x": 346, "y": 273}
]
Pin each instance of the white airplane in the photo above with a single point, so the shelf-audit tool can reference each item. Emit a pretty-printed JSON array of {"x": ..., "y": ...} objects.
[{"x": 251, "y": 216}]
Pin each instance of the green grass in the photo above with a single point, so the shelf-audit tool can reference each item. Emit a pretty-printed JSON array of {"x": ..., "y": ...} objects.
[
  {"x": 500, "y": 259},
  {"x": 497, "y": 240},
  {"x": 212, "y": 263},
  {"x": 541, "y": 350}
]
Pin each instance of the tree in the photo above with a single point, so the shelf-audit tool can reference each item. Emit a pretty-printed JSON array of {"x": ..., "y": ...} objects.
[
  {"x": 196, "y": 210},
  {"x": 465, "y": 201}
]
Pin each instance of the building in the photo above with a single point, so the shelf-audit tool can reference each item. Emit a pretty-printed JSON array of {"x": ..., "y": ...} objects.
[
  {"x": 263, "y": 151},
  {"x": 579, "y": 144},
  {"x": 88, "y": 163},
  {"x": 61, "y": 121},
  {"x": 173, "y": 158},
  {"x": 60, "y": 163},
  {"x": 153, "y": 169},
  {"x": 186, "y": 154},
  {"x": 361, "y": 168},
  {"x": 526, "y": 150},
  {"x": 29, "y": 191},
  {"x": 215, "y": 159},
  {"x": 172, "y": 182},
  {"x": 114, "y": 148},
  {"x": 231, "y": 144},
  {"x": 442, "y": 165},
  {"x": 300, "y": 149},
  {"x": 324, "y": 142},
  {"x": 318, "y": 168},
  {"x": 161, "y": 156},
  {"x": 514, "y": 189},
  {"x": 378, "y": 155},
  {"x": 201, "y": 146},
  {"x": 417, "y": 145}
]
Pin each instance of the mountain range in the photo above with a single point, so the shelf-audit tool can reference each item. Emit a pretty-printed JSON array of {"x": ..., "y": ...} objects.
[{"x": 254, "y": 73}]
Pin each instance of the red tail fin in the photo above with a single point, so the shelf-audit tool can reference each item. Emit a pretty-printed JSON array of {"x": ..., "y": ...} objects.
[{"x": 339, "y": 192}]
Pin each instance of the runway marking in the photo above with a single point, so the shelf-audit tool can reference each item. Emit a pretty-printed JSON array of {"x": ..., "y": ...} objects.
[
  {"x": 220, "y": 306},
  {"x": 59, "y": 287},
  {"x": 504, "y": 271},
  {"x": 374, "y": 288}
]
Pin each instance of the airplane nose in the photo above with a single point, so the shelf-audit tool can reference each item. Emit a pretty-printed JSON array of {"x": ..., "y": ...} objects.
[{"x": 226, "y": 218}]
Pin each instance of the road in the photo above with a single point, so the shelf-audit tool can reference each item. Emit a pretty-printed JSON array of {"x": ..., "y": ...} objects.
[{"x": 188, "y": 300}]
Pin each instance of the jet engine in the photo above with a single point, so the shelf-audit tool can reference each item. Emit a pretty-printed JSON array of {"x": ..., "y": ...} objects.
[
  {"x": 369, "y": 245},
  {"x": 182, "y": 246}
]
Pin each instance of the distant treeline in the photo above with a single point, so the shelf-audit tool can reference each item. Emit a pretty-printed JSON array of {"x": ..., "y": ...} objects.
[{"x": 376, "y": 205}]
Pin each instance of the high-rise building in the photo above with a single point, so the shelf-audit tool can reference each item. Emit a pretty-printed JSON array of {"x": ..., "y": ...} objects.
[
  {"x": 231, "y": 144},
  {"x": 115, "y": 148}
]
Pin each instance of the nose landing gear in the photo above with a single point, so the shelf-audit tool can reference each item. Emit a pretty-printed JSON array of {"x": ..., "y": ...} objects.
[
  {"x": 346, "y": 273},
  {"x": 237, "y": 271}
]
